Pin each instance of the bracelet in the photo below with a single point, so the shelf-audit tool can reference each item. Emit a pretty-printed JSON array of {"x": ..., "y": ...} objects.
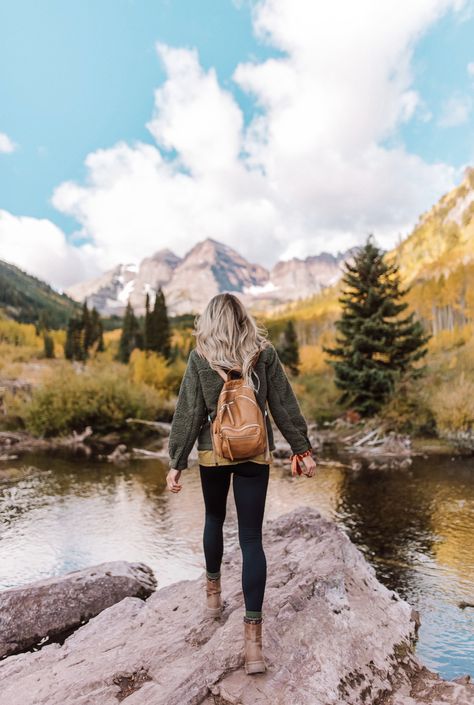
[
  {"x": 295, "y": 461},
  {"x": 302, "y": 455}
]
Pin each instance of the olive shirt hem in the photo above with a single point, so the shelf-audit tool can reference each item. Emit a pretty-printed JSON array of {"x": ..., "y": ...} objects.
[{"x": 206, "y": 458}]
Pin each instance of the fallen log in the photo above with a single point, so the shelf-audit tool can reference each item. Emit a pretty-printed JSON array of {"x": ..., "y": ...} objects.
[
  {"x": 21, "y": 442},
  {"x": 162, "y": 427}
]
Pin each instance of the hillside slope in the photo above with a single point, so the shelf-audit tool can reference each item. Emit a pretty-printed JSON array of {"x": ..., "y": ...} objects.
[
  {"x": 443, "y": 238},
  {"x": 436, "y": 260},
  {"x": 24, "y": 298}
]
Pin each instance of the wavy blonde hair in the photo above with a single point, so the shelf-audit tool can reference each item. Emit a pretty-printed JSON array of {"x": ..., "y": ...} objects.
[{"x": 227, "y": 335}]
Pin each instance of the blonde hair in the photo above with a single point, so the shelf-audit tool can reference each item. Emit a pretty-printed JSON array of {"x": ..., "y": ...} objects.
[{"x": 228, "y": 336}]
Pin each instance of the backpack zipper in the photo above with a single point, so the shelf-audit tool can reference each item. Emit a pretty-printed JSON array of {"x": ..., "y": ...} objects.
[{"x": 247, "y": 425}]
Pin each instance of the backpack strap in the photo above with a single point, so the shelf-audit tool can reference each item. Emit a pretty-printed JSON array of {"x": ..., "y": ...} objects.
[{"x": 224, "y": 376}]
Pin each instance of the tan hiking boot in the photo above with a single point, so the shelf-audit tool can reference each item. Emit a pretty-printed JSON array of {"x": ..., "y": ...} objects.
[
  {"x": 254, "y": 661},
  {"x": 213, "y": 597}
]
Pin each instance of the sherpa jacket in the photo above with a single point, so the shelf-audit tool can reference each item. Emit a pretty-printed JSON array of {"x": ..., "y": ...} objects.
[{"x": 198, "y": 395}]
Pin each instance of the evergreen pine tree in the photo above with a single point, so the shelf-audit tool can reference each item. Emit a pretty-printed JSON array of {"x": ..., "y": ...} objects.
[
  {"x": 95, "y": 337},
  {"x": 74, "y": 347},
  {"x": 159, "y": 329},
  {"x": 48, "y": 346},
  {"x": 100, "y": 341},
  {"x": 147, "y": 324},
  {"x": 131, "y": 336},
  {"x": 375, "y": 346},
  {"x": 288, "y": 351},
  {"x": 87, "y": 328},
  {"x": 68, "y": 345},
  {"x": 82, "y": 334}
]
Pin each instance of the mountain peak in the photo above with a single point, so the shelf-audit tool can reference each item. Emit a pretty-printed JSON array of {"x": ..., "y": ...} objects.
[{"x": 208, "y": 268}]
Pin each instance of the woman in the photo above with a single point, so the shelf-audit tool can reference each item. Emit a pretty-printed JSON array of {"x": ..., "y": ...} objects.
[{"x": 228, "y": 340}]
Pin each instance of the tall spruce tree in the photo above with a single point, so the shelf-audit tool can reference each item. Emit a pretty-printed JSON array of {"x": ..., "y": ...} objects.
[
  {"x": 74, "y": 348},
  {"x": 288, "y": 350},
  {"x": 86, "y": 327},
  {"x": 48, "y": 345},
  {"x": 96, "y": 331},
  {"x": 159, "y": 334},
  {"x": 147, "y": 324},
  {"x": 376, "y": 346},
  {"x": 131, "y": 336},
  {"x": 82, "y": 334}
]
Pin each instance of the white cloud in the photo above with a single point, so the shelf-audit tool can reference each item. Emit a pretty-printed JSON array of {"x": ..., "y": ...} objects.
[
  {"x": 207, "y": 133},
  {"x": 40, "y": 248},
  {"x": 455, "y": 111},
  {"x": 7, "y": 146},
  {"x": 470, "y": 68},
  {"x": 311, "y": 172}
]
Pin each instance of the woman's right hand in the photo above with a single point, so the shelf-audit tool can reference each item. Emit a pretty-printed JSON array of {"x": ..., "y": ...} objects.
[
  {"x": 172, "y": 480},
  {"x": 309, "y": 465}
]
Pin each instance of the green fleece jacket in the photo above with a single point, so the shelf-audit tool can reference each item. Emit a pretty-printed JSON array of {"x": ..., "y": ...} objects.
[{"x": 198, "y": 394}]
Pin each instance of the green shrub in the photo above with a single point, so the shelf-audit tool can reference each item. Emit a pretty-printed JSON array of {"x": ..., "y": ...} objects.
[
  {"x": 409, "y": 409},
  {"x": 99, "y": 396},
  {"x": 318, "y": 396}
]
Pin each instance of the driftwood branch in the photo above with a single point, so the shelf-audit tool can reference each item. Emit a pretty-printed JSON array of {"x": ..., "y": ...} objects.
[
  {"x": 22, "y": 442},
  {"x": 161, "y": 426}
]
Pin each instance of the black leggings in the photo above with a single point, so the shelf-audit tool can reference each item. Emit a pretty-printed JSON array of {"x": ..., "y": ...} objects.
[{"x": 250, "y": 482}]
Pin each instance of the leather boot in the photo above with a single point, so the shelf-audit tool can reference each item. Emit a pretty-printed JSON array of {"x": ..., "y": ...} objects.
[
  {"x": 213, "y": 597},
  {"x": 254, "y": 661}
]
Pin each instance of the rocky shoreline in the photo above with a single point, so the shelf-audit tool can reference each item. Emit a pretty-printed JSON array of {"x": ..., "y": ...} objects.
[
  {"x": 333, "y": 635},
  {"x": 359, "y": 443}
]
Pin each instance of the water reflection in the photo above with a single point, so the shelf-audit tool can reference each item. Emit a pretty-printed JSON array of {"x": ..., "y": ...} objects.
[{"x": 415, "y": 526}]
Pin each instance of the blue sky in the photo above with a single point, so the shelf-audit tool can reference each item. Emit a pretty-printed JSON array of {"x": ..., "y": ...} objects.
[
  {"x": 77, "y": 77},
  {"x": 440, "y": 69}
]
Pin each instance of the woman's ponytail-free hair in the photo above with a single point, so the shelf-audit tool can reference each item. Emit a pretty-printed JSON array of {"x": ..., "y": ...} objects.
[{"x": 227, "y": 335}]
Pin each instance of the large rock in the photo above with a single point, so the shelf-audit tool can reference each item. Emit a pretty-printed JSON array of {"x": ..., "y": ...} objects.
[
  {"x": 332, "y": 635},
  {"x": 51, "y": 607}
]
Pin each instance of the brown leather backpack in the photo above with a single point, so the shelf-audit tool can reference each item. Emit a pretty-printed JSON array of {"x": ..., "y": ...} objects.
[{"x": 239, "y": 429}]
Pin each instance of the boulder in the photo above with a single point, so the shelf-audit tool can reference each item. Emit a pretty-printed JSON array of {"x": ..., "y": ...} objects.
[
  {"x": 49, "y": 608},
  {"x": 332, "y": 635}
]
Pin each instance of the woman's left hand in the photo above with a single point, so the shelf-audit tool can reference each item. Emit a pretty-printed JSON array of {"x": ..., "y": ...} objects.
[{"x": 172, "y": 480}]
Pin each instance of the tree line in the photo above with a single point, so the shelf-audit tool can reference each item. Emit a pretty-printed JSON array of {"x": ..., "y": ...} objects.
[
  {"x": 377, "y": 345},
  {"x": 153, "y": 335},
  {"x": 85, "y": 333}
]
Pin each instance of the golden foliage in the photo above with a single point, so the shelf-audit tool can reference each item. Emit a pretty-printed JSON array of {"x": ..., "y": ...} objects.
[
  {"x": 453, "y": 405},
  {"x": 19, "y": 334},
  {"x": 152, "y": 369}
]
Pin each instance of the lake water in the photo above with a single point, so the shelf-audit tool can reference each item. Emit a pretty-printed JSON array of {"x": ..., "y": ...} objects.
[{"x": 415, "y": 526}]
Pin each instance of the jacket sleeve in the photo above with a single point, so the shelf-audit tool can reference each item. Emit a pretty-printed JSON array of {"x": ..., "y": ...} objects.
[
  {"x": 284, "y": 406},
  {"x": 188, "y": 417}
]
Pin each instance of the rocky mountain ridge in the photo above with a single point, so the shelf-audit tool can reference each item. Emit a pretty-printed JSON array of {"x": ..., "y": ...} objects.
[{"x": 210, "y": 267}]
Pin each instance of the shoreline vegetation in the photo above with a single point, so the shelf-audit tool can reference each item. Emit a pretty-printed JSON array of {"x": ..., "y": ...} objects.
[
  {"x": 47, "y": 404},
  {"x": 373, "y": 374}
]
